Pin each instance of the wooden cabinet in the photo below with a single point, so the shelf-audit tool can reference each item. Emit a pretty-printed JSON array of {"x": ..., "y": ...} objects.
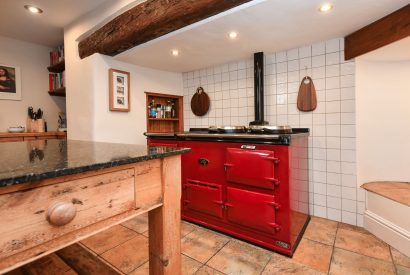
[
  {"x": 165, "y": 125},
  {"x": 14, "y": 137}
]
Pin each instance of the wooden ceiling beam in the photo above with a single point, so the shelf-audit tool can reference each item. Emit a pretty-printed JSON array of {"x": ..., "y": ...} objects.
[
  {"x": 382, "y": 32},
  {"x": 150, "y": 20}
]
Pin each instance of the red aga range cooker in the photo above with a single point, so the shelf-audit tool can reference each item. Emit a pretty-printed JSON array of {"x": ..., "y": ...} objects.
[{"x": 251, "y": 183}]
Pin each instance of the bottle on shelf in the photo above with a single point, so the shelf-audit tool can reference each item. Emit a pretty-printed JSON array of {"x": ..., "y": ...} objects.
[
  {"x": 158, "y": 114},
  {"x": 173, "y": 110},
  {"x": 152, "y": 111},
  {"x": 168, "y": 109}
]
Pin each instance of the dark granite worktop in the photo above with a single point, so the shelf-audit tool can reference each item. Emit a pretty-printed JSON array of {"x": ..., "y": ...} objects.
[{"x": 22, "y": 162}]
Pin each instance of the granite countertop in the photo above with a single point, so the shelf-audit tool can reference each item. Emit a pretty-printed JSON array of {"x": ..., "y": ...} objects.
[{"x": 22, "y": 162}]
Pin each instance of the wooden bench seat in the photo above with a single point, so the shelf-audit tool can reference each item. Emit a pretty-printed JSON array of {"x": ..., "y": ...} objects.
[{"x": 396, "y": 191}]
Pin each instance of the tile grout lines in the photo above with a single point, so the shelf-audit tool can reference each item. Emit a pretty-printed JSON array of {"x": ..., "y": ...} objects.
[
  {"x": 333, "y": 248},
  {"x": 392, "y": 259}
]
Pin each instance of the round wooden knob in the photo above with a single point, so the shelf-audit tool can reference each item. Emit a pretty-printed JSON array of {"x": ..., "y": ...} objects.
[{"x": 61, "y": 213}]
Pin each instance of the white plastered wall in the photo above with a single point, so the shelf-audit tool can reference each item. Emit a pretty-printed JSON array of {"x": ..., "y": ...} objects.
[{"x": 88, "y": 112}]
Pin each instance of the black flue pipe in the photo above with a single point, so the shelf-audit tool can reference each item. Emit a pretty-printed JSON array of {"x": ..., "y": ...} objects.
[{"x": 259, "y": 92}]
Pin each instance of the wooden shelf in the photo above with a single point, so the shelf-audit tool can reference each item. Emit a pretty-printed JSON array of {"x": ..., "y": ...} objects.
[
  {"x": 164, "y": 119},
  {"x": 57, "y": 68},
  {"x": 57, "y": 92},
  {"x": 165, "y": 125}
]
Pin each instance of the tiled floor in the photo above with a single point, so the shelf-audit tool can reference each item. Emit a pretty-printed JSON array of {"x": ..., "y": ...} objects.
[{"x": 327, "y": 247}]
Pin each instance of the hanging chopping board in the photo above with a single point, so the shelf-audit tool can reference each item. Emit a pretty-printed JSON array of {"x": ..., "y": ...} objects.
[
  {"x": 307, "y": 100},
  {"x": 200, "y": 102}
]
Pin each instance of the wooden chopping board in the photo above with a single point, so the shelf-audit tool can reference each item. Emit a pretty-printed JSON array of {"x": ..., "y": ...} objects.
[
  {"x": 307, "y": 100},
  {"x": 200, "y": 102}
]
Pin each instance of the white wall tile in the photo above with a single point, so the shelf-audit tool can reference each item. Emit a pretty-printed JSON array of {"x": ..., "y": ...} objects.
[
  {"x": 332, "y": 46},
  {"x": 318, "y": 48},
  {"x": 334, "y": 190},
  {"x": 334, "y": 214},
  {"x": 333, "y": 202},
  {"x": 349, "y": 217}
]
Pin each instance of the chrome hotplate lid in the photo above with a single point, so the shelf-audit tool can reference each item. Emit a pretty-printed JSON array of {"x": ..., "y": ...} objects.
[
  {"x": 227, "y": 129},
  {"x": 270, "y": 129},
  {"x": 252, "y": 129}
]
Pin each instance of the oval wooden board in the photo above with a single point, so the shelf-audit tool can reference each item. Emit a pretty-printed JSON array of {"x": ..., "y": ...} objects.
[
  {"x": 200, "y": 103},
  {"x": 307, "y": 100}
]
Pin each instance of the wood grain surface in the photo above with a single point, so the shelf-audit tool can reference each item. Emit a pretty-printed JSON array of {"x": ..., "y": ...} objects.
[
  {"x": 382, "y": 32},
  {"x": 150, "y": 20},
  {"x": 200, "y": 102},
  {"x": 307, "y": 100}
]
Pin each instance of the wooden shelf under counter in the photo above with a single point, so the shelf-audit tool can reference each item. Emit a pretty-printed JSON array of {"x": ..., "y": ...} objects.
[{"x": 10, "y": 137}]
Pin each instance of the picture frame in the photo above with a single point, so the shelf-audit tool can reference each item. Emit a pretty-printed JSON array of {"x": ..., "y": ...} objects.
[
  {"x": 10, "y": 82},
  {"x": 119, "y": 90}
]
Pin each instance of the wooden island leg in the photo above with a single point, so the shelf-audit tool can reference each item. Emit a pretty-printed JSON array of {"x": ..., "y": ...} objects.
[{"x": 165, "y": 222}]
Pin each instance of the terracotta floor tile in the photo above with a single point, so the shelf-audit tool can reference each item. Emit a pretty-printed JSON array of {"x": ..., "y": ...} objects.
[
  {"x": 202, "y": 244},
  {"x": 70, "y": 272},
  {"x": 353, "y": 228},
  {"x": 402, "y": 270},
  {"x": 142, "y": 270},
  {"x": 399, "y": 258},
  {"x": 364, "y": 244},
  {"x": 129, "y": 255},
  {"x": 189, "y": 265},
  {"x": 321, "y": 231},
  {"x": 313, "y": 254},
  {"x": 206, "y": 270},
  {"x": 283, "y": 265},
  {"x": 139, "y": 224},
  {"x": 238, "y": 257},
  {"x": 324, "y": 221},
  {"x": 346, "y": 262},
  {"x": 109, "y": 238},
  {"x": 187, "y": 228}
]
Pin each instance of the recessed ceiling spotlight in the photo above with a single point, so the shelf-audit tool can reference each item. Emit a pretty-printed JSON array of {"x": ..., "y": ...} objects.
[
  {"x": 175, "y": 52},
  {"x": 326, "y": 7},
  {"x": 233, "y": 35},
  {"x": 33, "y": 9}
]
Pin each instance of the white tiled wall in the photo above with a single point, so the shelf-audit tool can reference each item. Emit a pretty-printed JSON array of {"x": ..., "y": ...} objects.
[{"x": 332, "y": 156}]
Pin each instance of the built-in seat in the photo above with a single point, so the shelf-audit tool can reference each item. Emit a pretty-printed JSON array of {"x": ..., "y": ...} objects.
[{"x": 387, "y": 213}]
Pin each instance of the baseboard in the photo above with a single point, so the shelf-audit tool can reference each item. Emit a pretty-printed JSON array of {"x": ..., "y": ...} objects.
[{"x": 389, "y": 232}]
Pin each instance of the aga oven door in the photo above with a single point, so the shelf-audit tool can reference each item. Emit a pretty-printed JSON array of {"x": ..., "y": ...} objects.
[
  {"x": 203, "y": 197},
  {"x": 252, "y": 209},
  {"x": 251, "y": 167}
]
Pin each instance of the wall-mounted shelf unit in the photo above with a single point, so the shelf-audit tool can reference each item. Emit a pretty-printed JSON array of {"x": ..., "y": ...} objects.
[
  {"x": 57, "y": 73},
  {"x": 57, "y": 68},
  {"x": 57, "y": 92},
  {"x": 165, "y": 125}
]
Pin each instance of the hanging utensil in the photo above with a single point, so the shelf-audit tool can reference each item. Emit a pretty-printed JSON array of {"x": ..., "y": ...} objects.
[
  {"x": 307, "y": 100},
  {"x": 200, "y": 102}
]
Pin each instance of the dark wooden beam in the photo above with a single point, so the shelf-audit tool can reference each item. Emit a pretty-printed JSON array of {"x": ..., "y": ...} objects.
[
  {"x": 382, "y": 32},
  {"x": 150, "y": 20}
]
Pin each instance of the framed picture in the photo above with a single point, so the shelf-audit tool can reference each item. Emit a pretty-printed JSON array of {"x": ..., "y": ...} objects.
[
  {"x": 119, "y": 83},
  {"x": 10, "y": 81}
]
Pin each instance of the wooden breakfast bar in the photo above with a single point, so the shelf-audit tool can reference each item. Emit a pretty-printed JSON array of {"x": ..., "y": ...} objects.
[{"x": 74, "y": 189}]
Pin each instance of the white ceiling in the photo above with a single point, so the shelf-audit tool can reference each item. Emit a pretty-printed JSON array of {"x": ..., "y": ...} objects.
[
  {"x": 267, "y": 25},
  {"x": 397, "y": 51},
  {"x": 46, "y": 28}
]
